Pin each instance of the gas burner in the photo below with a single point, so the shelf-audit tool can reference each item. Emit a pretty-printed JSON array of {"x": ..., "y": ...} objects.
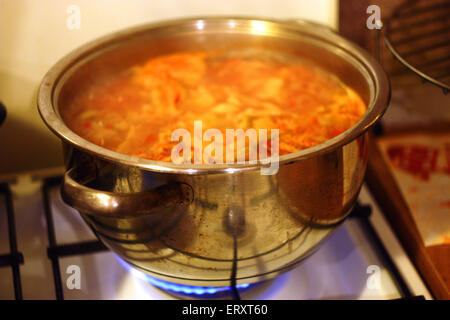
[{"x": 183, "y": 289}]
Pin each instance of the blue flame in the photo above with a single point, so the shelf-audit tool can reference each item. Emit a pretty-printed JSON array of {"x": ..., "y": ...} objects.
[{"x": 175, "y": 287}]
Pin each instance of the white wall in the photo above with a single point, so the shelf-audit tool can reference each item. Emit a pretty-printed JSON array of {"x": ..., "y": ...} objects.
[{"x": 34, "y": 35}]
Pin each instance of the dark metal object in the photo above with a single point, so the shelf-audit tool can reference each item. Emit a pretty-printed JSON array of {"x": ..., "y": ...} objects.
[
  {"x": 67, "y": 250},
  {"x": 15, "y": 258},
  {"x": 418, "y": 35},
  {"x": 52, "y": 240},
  {"x": 233, "y": 284},
  {"x": 234, "y": 224},
  {"x": 2, "y": 113}
]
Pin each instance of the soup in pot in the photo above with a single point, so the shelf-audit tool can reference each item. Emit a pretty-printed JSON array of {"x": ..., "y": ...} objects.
[{"x": 137, "y": 111}]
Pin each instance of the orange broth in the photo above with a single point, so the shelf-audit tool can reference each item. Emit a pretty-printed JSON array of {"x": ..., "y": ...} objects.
[{"x": 136, "y": 111}]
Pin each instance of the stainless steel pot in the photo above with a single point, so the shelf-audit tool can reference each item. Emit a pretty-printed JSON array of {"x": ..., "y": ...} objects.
[{"x": 183, "y": 223}]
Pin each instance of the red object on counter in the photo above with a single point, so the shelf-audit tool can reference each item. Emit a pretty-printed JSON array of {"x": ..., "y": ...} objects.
[{"x": 416, "y": 159}]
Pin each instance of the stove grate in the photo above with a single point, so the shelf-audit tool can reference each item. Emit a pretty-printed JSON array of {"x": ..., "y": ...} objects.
[
  {"x": 363, "y": 212},
  {"x": 15, "y": 258},
  {"x": 55, "y": 251}
]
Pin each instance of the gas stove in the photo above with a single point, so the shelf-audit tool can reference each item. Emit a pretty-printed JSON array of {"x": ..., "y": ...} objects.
[{"x": 45, "y": 244}]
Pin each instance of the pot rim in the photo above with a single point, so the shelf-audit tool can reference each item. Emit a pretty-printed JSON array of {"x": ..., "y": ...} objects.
[{"x": 377, "y": 80}]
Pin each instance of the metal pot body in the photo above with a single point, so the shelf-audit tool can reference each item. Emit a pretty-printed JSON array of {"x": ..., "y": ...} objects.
[
  {"x": 281, "y": 218},
  {"x": 189, "y": 224}
]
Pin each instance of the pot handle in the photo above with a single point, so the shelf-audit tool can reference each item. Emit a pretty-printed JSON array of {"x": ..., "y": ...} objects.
[{"x": 92, "y": 201}]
